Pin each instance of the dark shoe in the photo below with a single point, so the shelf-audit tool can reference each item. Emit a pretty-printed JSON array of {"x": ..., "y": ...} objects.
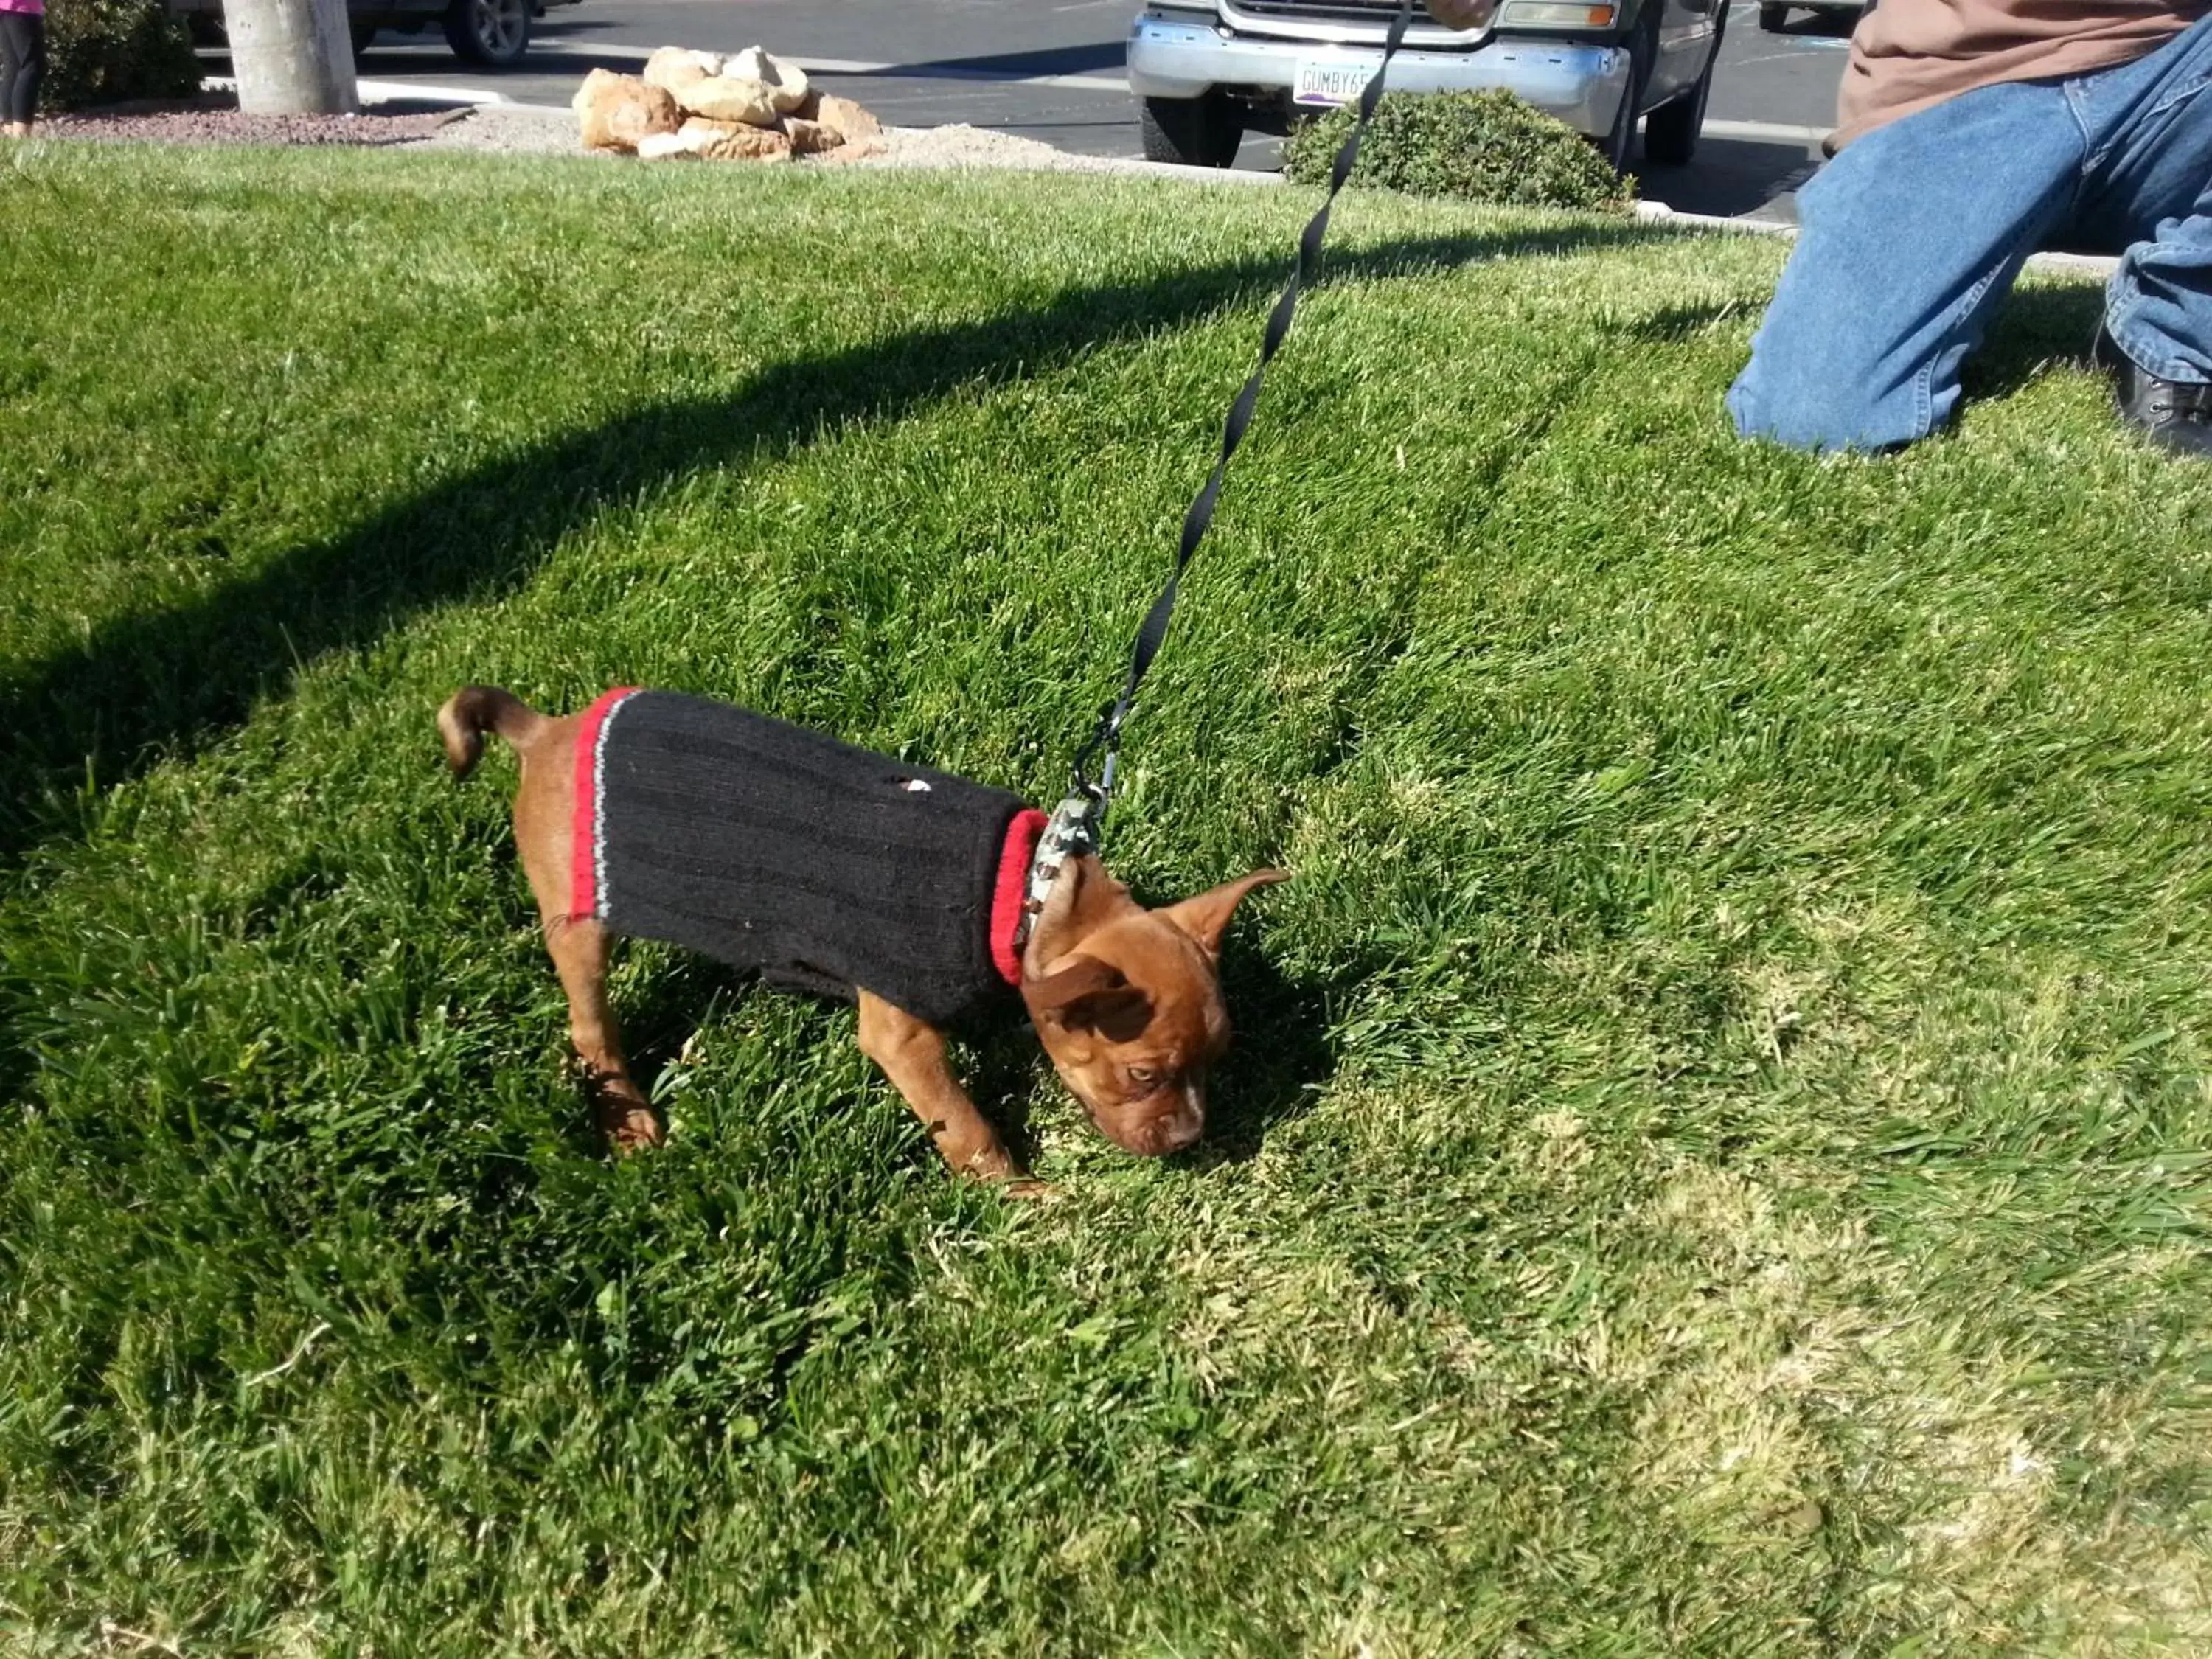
[{"x": 2173, "y": 415}]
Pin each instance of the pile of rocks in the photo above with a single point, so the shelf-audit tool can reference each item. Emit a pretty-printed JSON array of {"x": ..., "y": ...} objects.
[{"x": 748, "y": 106}]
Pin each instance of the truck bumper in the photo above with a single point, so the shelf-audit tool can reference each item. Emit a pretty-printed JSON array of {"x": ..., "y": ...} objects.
[{"x": 1186, "y": 57}]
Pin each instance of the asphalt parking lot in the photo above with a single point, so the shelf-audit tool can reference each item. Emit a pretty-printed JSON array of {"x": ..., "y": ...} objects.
[{"x": 1051, "y": 69}]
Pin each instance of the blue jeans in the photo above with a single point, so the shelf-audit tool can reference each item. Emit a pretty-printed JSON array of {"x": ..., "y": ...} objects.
[{"x": 1915, "y": 231}]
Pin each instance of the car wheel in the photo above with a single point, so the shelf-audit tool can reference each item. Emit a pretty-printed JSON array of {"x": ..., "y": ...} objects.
[
  {"x": 493, "y": 33},
  {"x": 1193, "y": 132},
  {"x": 1772, "y": 17},
  {"x": 1618, "y": 146},
  {"x": 363, "y": 35},
  {"x": 1670, "y": 132}
]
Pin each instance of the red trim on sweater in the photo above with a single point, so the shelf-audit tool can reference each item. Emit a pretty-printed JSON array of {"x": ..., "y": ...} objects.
[
  {"x": 1012, "y": 891},
  {"x": 584, "y": 815}
]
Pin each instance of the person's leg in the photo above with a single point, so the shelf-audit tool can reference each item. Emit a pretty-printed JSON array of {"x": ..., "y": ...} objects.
[
  {"x": 14, "y": 41},
  {"x": 1910, "y": 236},
  {"x": 32, "y": 72},
  {"x": 2146, "y": 195}
]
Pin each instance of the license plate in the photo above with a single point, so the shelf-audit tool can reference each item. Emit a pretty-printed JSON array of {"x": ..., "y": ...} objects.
[{"x": 1326, "y": 82}]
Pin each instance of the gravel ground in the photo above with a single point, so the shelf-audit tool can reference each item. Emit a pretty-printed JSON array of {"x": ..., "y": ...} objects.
[
  {"x": 213, "y": 119},
  {"x": 511, "y": 130},
  {"x": 965, "y": 146}
]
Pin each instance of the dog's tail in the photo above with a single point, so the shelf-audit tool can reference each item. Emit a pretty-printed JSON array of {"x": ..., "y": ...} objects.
[{"x": 476, "y": 709}]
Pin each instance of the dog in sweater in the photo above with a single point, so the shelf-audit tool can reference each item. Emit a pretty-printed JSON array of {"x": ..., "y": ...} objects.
[{"x": 831, "y": 869}]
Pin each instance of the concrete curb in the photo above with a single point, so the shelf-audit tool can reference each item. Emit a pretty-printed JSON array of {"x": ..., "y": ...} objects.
[
  {"x": 386, "y": 92},
  {"x": 1658, "y": 213},
  {"x": 1202, "y": 175},
  {"x": 2099, "y": 265}
]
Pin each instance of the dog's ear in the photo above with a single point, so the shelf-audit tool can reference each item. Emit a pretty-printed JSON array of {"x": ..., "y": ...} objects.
[
  {"x": 1083, "y": 899},
  {"x": 1205, "y": 917},
  {"x": 1090, "y": 995}
]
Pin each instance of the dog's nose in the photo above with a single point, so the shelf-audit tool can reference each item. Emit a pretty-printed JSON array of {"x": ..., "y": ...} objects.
[
  {"x": 1183, "y": 1126},
  {"x": 1175, "y": 1136}
]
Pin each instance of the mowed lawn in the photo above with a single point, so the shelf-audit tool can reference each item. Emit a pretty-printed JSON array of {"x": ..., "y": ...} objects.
[{"x": 1716, "y": 1156}]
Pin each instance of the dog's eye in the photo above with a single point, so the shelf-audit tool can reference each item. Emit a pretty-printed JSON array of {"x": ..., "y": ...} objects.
[{"x": 1143, "y": 1077}]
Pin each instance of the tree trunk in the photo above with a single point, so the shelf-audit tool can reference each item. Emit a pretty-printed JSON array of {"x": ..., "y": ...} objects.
[{"x": 291, "y": 57}]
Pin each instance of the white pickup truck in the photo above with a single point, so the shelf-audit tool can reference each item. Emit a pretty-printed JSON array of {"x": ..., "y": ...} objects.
[{"x": 1208, "y": 71}]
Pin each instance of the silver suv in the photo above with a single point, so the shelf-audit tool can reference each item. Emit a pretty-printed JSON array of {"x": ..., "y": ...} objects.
[{"x": 1208, "y": 71}]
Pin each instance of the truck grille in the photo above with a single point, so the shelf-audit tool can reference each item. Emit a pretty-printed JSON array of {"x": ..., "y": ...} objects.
[{"x": 1335, "y": 11}]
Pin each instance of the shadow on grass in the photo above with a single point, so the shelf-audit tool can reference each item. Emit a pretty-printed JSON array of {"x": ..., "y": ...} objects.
[
  {"x": 144, "y": 686},
  {"x": 2034, "y": 328},
  {"x": 1282, "y": 1055},
  {"x": 1673, "y": 325}
]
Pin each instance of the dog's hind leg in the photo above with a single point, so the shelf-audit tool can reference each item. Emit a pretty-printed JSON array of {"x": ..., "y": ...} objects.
[{"x": 579, "y": 945}]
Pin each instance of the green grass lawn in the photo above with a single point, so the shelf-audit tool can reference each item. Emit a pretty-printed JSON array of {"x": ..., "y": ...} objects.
[{"x": 1715, "y": 1160}]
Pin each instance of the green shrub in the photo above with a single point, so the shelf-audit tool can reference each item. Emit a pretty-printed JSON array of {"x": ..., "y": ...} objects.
[
  {"x": 1480, "y": 146},
  {"x": 105, "y": 52}
]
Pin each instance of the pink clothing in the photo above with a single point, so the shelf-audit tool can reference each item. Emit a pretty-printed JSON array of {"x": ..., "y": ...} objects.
[{"x": 35, "y": 7}]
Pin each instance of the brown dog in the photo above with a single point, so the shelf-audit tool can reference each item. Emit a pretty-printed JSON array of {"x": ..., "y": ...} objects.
[{"x": 614, "y": 818}]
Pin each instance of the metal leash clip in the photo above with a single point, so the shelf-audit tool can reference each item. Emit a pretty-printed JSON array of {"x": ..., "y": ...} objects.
[
  {"x": 1106, "y": 740},
  {"x": 1071, "y": 832}
]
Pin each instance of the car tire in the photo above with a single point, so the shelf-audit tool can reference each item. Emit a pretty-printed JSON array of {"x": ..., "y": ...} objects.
[
  {"x": 495, "y": 34},
  {"x": 1670, "y": 132},
  {"x": 1192, "y": 132},
  {"x": 1771, "y": 18},
  {"x": 1618, "y": 146},
  {"x": 363, "y": 35}
]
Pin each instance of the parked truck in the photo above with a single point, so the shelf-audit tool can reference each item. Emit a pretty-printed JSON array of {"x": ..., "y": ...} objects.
[{"x": 1205, "y": 72}]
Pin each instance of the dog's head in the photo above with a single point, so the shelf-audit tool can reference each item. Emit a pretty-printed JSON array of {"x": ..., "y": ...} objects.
[{"x": 1128, "y": 1001}]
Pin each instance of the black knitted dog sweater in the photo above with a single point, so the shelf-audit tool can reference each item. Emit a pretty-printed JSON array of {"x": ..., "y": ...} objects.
[{"x": 778, "y": 849}]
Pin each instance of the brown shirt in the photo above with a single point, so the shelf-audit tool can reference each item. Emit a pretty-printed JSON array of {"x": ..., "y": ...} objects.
[{"x": 1909, "y": 54}]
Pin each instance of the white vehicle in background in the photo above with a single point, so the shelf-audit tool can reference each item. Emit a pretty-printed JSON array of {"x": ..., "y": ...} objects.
[{"x": 1208, "y": 71}]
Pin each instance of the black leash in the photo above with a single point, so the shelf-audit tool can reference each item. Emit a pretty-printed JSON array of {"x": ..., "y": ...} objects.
[{"x": 1090, "y": 797}]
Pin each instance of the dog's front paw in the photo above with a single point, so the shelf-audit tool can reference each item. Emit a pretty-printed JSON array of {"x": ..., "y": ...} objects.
[
  {"x": 1031, "y": 1190},
  {"x": 630, "y": 1128}
]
